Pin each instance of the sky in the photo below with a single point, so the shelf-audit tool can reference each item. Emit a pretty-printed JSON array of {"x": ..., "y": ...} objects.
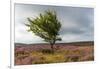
[{"x": 77, "y": 22}]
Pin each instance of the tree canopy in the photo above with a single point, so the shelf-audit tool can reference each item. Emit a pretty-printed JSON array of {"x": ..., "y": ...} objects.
[{"x": 46, "y": 26}]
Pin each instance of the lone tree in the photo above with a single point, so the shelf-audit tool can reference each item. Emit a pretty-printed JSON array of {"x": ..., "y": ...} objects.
[{"x": 46, "y": 26}]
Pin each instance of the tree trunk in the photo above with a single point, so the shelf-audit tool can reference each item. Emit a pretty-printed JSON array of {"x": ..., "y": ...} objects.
[{"x": 52, "y": 48}]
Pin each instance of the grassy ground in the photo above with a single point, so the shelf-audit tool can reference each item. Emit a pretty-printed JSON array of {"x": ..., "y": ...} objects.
[{"x": 61, "y": 54}]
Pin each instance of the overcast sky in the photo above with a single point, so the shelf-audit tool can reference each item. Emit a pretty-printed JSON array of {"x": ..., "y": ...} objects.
[{"x": 77, "y": 23}]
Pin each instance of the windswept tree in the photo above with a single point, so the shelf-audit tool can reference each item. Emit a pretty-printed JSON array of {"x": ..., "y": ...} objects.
[{"x": 46, "y": 26}]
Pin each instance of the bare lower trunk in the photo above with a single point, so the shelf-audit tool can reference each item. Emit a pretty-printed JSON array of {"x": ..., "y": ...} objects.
[{"x": 52, "y": 48}]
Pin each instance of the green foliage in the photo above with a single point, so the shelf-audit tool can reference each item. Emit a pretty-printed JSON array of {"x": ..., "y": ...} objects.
[{"x": 46, "y": 26}]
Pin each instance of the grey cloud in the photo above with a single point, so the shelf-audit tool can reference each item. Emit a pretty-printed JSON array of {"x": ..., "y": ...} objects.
[{"x": 77, "y": 22}]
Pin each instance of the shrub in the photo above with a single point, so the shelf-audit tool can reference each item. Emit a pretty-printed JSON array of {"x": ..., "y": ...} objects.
[{"x": 46, "y": 51}]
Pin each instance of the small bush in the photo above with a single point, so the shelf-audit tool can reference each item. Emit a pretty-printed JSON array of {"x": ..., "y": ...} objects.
[
  {"x": 46, "y": 51},
  {"x": 74, "y": 59}
]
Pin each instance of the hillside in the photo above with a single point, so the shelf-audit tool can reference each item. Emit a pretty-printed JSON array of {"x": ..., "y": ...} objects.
[{"x": 26, "y": 54}]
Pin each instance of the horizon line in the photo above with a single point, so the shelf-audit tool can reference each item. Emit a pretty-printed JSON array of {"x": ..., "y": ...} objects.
[{"x": 55, "y": 43}]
